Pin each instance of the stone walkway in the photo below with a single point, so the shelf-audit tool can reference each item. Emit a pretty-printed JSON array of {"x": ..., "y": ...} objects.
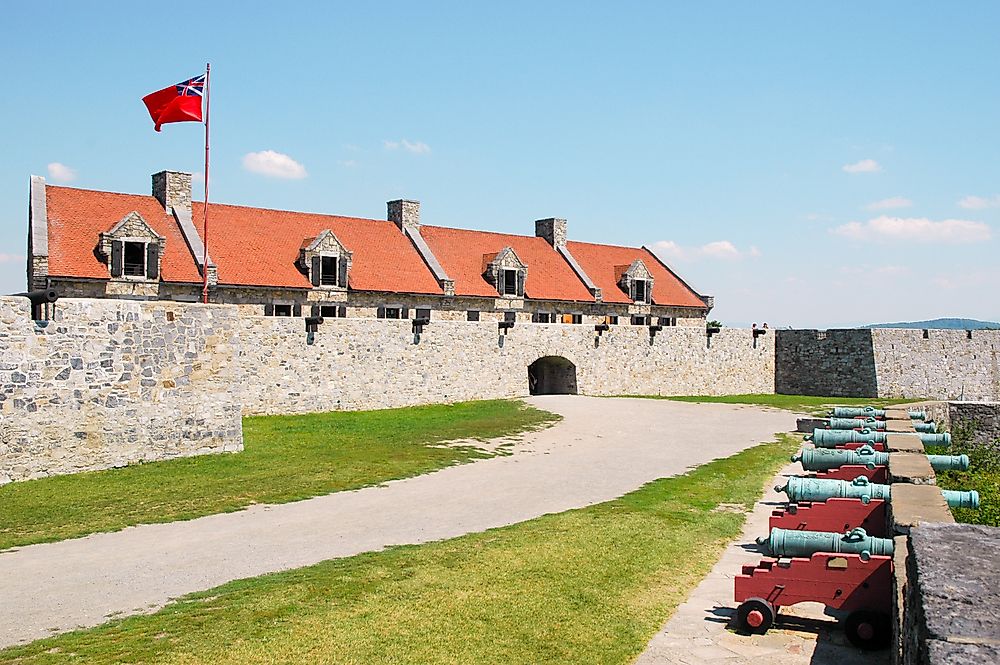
[
  {"x": 602, "y": 449},
  {"x": 697, "y": 633}
]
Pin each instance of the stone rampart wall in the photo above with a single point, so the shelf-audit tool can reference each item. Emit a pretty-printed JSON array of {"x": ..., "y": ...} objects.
[
  {"x": 368, "y": 363},
  {"x": 839, "y": 363},
  {"x": 112, "y": 382},
  {"x": 944, "y": 364}
]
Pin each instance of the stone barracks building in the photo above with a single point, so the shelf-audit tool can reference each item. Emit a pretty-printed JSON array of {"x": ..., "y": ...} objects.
[{"x": 94, "y": 244}]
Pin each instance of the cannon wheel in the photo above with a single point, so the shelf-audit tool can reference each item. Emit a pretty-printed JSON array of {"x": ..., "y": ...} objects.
[
  {"x": 869, "y": 630},
  {"x": 755, "y": 615}
]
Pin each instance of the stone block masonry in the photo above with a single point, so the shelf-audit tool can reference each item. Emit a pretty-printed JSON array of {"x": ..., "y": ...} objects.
[
  {"x": 368, "y": 364},
  {"x": 936, "y": 364},
  {"x": 113, "y": 382}
]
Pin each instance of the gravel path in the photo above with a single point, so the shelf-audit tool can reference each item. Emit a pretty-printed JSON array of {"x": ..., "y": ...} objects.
[{"x": 602, "y": 449}]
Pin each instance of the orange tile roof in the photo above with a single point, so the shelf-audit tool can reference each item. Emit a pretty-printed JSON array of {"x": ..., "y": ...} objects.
[
  {"x": 78, "y": 216},
  {"x": 603, "y": 264},
  {"x": 461, "y": 253},
  {"x": 250, "y": 246},
  {"x": 257, "y": 246}
]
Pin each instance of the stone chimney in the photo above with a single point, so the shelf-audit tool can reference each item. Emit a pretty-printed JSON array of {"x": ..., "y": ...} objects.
[
  {"x": 404, "y": 213},
  {"x": 173, "y": 190},
  {"x": 553, "y": 230}
]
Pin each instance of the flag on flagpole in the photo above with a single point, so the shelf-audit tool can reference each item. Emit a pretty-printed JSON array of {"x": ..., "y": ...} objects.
[{"x": 177, "y": 103}]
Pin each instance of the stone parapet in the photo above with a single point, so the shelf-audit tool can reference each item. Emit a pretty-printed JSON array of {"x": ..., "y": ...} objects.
[
  {"x": 951, "y": 595},
  {"x": 910, "y": 468},
  {"x": 108, "y": 383}
]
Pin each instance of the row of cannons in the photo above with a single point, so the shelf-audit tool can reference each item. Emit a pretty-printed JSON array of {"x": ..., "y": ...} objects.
[{"x": 832, "y": 542}]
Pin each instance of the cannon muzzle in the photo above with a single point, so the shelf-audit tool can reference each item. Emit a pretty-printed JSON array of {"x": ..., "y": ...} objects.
[{"x": 40, "y": 297}]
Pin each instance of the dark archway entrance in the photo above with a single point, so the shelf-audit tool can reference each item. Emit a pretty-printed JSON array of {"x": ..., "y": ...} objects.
[{"x": 552, "y": 375}]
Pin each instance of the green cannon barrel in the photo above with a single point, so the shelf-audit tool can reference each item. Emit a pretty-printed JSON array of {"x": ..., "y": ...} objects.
[
  {"x": 823, "y": 459},
  {"x": 854, "y": 423},
  {"x": 792, "y": 542},
  {"x": 857, "y": 412},
  {"x": 960, "y": 499},
  {"x": 829, "y": 438},
  {"x": 821, "y": 489},
  {"x": 936, "y": 439},
  {"x": 918, "y": 415},
  {"x": 949, "y": 462},
  {"x": 925, "y": 428}
]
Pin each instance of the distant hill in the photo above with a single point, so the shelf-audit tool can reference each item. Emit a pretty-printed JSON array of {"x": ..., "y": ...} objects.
[{"x": 947, "y": 324}]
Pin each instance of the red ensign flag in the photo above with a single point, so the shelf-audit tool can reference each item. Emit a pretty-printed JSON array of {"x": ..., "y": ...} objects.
[{"x": 177, "y": 103}]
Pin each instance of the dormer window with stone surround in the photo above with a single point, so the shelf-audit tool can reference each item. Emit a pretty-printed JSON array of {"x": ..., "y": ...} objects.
[
  {"x": 506, "y": 272},
  {"x": 636, "y": 281},
  {"x": 133, "y": 250},
  {"x": 326, "y": 261}
]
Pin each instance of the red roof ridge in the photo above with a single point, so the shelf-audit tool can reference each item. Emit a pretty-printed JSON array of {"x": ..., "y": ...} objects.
[
  {"x": 295, "y": 212},
  {"x": 492, "y": 233},
  {"x": 220, "y": 204},
  {"x": 605, "y": 244}
]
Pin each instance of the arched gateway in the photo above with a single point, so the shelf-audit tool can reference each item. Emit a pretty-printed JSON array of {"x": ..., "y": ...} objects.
[{"x": 552, "y": 375}]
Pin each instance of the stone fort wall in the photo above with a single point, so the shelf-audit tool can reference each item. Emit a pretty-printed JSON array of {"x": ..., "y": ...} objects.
[
  {"x": 368, "y": 363},
  {"x": 107, "y": 383},
  {"x": 111, "y": 382},
  {"x": 885, "y": 362}
]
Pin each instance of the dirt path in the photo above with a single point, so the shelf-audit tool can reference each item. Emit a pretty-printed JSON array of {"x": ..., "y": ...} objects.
[{"x": 602, "y": 449}]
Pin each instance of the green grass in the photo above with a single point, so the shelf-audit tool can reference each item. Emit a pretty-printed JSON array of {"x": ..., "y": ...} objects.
[
  {"x": 286, "y": 458},
  {"x": 811, "y": 405},
  {"x": 590, "y": 585},
  {"x": 983, "y": 476}
]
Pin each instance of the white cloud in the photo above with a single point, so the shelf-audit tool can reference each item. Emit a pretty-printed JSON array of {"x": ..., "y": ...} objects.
[
  {"x": 722, "y": 250},
  {"x": 416, "y": 147},
  {"x": 61, "y": 172},
  {"x": 916, "y": 229},
  {"x": 980, "y": 202},
  {"x": 348, "y": 163},
  {"x": 273, "y": 165},
  {"x": 890, "y": 203},
  {"x": 11, "y": 258},
  {"x": 864, "y": 166}
]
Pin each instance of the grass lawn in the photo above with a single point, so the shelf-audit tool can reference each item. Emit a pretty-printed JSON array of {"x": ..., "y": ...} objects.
[
  {"x": 589, "y": 585},
  {"x": 815, "y": 406},
  {"x": 286, "y": 458},
  {"x": 983, "y": 476}
]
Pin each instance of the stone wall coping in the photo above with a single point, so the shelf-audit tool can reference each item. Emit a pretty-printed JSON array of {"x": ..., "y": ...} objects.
[
  {"x": 899, "y": 425},
  {"x": 910, "y": 468},
  {"x": 913, "y": 504},
  {"x": 903, "y": 443}
]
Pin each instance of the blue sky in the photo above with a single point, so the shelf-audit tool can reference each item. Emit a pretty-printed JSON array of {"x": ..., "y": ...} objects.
[{"x": 809, "y": 165}]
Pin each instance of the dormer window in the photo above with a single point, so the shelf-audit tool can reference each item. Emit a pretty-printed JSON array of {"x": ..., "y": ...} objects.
[
  {"x": 636, "y": 281},
  {"x": 325, "y": 261},
  {"x": 640, "y": 291},
  {"x": 132, "y": 249},
  {"x": 134, "y": 257},
  {"x": 509, "y": 283},
  {"x": 328, "y": 274},
  {"x": 505, "y": 272}
]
